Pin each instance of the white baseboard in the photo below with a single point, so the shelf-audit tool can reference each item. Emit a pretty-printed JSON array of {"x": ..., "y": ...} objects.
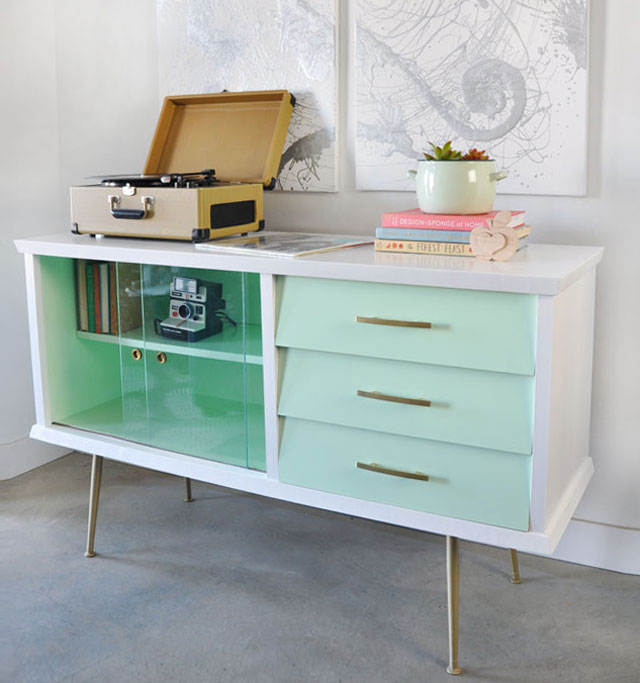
[
  {"x": 27, "y": 454},
  {"x": 600, "y": 545}
]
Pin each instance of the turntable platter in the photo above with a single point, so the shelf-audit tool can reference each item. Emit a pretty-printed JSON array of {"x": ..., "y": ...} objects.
[{"x": 191, "y": 179}]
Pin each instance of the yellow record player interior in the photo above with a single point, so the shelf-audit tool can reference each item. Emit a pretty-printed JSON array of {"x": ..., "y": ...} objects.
[{"x": 210, "y": 160}]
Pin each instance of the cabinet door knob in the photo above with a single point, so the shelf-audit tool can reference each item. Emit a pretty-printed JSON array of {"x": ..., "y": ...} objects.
[
  {"x": 161, "y": 357},
  {"x": 136, "y": 354}
]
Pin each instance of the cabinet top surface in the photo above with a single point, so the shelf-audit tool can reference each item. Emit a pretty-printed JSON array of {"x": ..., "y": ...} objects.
[{"x": 538, "y": 269}]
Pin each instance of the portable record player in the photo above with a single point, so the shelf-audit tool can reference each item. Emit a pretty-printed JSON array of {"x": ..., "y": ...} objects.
[{"x": 179, "y": 195}]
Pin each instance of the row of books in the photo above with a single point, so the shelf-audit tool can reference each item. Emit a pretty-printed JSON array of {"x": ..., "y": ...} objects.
[
  {"x": 413, "y": 231},
  {"x": 97, "y": 298}
]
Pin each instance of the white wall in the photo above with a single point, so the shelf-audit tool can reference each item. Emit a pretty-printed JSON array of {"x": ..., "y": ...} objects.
[
  {"x": 87, "y": 86},
  {"x": 107, "y": 85},
  {"x": 79, "y": 97},
  {"x": 31, "y": 205}
]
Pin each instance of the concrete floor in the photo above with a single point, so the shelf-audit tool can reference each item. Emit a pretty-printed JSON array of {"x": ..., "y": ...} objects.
[{"x": 234, "y": 587}]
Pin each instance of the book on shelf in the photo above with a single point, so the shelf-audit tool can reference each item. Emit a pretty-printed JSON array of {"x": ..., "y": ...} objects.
[
  {"x": 414, "y": 218},
  {"x": 428, "y": 235},
  {"x": 113, "y": 300},
  {"x": 128, "y": 302},
  {"x": 284, "y": 244},
  {"x": 81, "y": 293},
  {"x": 105, "y": 309},
  {"x": 438, "y": 248},
  {"x": 99, "y": 308},
  {"x": 91, "y": 299}
]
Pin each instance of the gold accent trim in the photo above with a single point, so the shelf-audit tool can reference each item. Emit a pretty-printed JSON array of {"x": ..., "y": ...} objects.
[
  {"x": 392, "y": 323},
  {"x": 94, "y": 499},
  {"x": 136, "y": 354},
  {"x": 395, "y": 399},
  {"x": 374, "y": 467},
  {"x": 515, "y": 568},
  {"x": 161, "y": 357},
  {"x": 453, "y": 603},
  {"x": 187, "y": 485}
]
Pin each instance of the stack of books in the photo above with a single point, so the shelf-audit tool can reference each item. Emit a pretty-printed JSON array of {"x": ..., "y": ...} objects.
[
  {"x": 97, "y": 299},
  {"x": 413, "y": 231}
]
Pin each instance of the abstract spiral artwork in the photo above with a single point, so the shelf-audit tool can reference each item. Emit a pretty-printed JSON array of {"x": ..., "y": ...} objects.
[
  {"x": 508, "y": 76},
  {"x": 211, "y": 45}
]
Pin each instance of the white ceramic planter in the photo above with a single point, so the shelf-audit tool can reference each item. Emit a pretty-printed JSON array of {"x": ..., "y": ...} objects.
[{"x": 459, "y": 187}]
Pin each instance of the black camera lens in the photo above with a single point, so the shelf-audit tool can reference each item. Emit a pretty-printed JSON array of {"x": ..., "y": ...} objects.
[{"x": 185, "y": 311}]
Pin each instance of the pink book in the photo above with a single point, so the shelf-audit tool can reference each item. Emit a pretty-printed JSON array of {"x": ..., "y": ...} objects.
[{"x": 414, "y": 218}]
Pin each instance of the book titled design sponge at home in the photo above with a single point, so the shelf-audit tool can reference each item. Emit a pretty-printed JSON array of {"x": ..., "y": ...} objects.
[
  {"x": 284, "y": 244},
  {"x": 414, "y": 218}
]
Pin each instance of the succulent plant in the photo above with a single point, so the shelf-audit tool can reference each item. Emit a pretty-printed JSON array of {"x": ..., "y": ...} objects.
[
  {"x": 476, "y": 155},
  {"x": 444, "y": 153}
]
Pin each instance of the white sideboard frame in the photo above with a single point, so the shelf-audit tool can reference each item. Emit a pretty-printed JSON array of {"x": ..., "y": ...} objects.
[
  {"x": 562, "y": 277},
  {"x": 270, "y": 374}
]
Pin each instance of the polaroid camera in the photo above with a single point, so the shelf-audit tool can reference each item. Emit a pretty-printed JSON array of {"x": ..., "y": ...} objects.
[{"x": 193, "y": 307}]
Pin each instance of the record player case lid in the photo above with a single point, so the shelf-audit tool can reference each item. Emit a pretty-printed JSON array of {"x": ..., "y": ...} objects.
[{"x": 240, "y": 135}]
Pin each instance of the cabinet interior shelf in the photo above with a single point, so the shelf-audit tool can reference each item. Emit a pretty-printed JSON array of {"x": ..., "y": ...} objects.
[
  {"x": 215, "y": 430},
  {"x": 227, "y": 345}
]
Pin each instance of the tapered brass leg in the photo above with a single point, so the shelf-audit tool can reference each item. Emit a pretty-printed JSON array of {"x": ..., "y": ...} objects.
[
  {"x": 453, "y": 596},
  {"x": 94, "y": 497},
  {"x": 187, "y": 485},
  {"x": 515, "y": 576}
]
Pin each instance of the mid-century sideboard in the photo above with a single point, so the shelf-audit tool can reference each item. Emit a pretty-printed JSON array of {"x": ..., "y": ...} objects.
[{"x": 443, "y": 394}]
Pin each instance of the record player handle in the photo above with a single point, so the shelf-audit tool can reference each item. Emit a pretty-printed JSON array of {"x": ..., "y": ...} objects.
[{"x": 137, "y": 214}]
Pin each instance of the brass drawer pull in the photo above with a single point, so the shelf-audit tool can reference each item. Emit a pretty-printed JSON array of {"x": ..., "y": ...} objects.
[
  {"x": 136, "y": 354},
  {"x": 393, "y": 323},
  {"x": 394, "y": 399},
  {"x": 161, "y": 357},
  {"x": 373, "y": 467}
]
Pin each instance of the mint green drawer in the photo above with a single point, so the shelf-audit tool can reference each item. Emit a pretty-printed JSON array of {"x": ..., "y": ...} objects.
[
  {"x": 470, "y": 329},
  {"x": 473, "y": 407},
  {"x": 468, "y": 483}
]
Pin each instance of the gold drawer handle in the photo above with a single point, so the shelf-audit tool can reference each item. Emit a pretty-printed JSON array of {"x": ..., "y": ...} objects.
[
  {"x": 161, "y": 357},
  {"x": 394, "y": 399},
  {"x": 373, "y": 467},
  {"x": 393, "y": 323},
  {"x": 136, "y": 354}
]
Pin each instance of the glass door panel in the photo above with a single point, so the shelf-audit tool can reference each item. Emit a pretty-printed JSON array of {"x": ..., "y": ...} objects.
[
  {"x": 82, "y": 364},
  {"x": 175, "y": 363},
  {"x": 256, "y": 458},
  {"x": 195, "y": 331},
  {"x": 196, "y": 406},
  {"x": 133, "y": 356}
]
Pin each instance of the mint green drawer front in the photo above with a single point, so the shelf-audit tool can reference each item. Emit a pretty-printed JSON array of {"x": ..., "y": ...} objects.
[
  {"x": 468, "y": 483},
  {"x": 486, "y": 409},
  {"x": 470, "y": 329}
]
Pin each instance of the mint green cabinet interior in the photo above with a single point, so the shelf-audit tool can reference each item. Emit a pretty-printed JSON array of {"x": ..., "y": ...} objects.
[
  {"x": 469, "y": 328},
  {"x": 473, "y": 407},
  {"x": 201, "y": 398},
  {"x": 467, "y": 483}
]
